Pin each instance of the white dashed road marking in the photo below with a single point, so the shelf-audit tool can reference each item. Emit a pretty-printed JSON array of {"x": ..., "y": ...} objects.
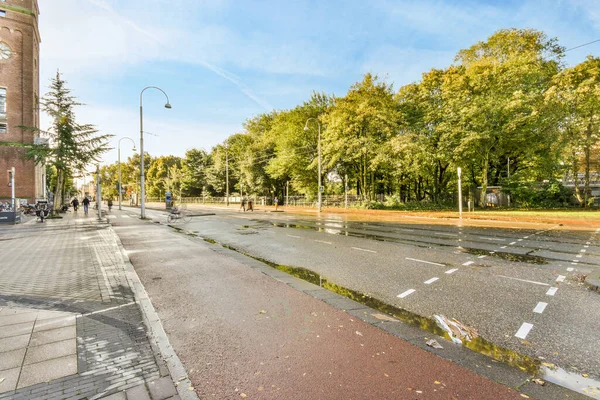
[
  {"x": 541, "y": 306},
  {"x": 511, "y": 243},
  {"x": 560, "y": 278},
  {"x": 468, "y": 263},
  {"x": 570, "y": 269},
  {"x": 503, "y": 247},
  {"x": 523, "y": 280},
  {"x": 445, "y": 234},
  {"x": 552, "y": 291},
  {"x": 451, "y": 271},
  {"x": 524, "y": 330},
  {"x": 322, "y": 241},
  {"x": 295, "y": 237},
  {"x": 426, "y": 262},
  {"x": 358, "y": 248},
  {"x": 407, "y": 293},
  {"x": 483, "y": 256},
  {"x": 430, "y": 281}
]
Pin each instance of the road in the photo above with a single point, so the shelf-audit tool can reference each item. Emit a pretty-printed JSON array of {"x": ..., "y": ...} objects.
[{"x": 520, "y": 288}]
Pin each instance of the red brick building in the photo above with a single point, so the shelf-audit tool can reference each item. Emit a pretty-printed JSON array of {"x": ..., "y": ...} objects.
[{"x": 19, "y": 96}]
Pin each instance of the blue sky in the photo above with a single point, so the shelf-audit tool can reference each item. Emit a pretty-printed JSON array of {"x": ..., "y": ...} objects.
[{"x": 223, "y": 61}]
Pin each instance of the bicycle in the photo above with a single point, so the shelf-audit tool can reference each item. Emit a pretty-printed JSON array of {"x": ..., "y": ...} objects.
[{"x": 175, "y": 215}]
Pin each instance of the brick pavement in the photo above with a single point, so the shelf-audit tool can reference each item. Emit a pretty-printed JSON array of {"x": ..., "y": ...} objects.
[{"x": 70, "y": 326}]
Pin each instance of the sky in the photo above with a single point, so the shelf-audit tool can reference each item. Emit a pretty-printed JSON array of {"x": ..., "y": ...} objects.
[{"x": 224, "y": 61}]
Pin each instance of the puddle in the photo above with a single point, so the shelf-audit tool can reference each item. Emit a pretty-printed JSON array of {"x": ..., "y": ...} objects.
[
  {"x": 526, "y": 258},
  {"x": 573, "y": 381},
  {"x": 478, "y": 344}
]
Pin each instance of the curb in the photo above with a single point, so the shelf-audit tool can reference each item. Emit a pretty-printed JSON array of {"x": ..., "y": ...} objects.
[
  {"x": 156, "y": 332},
  {"x": 593, "y": 280}
]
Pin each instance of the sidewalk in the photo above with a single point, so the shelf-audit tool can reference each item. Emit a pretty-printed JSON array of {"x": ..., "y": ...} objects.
[
  {"x": 70, "y": 326},
  {"x": 245, "y": 330}
]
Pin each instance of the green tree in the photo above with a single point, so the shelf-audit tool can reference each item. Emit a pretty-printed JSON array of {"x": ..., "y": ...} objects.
[{"x": 72, "y": 146}]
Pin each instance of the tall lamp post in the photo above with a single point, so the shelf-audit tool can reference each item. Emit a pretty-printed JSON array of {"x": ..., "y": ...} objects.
[
  {"x": 142, "y": 177},
  {"x": 319, "y": 156},
  {"x": 119, "y": 160}
]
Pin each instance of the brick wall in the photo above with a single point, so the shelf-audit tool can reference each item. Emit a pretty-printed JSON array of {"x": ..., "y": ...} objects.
[{"x": 19, "y": 74}]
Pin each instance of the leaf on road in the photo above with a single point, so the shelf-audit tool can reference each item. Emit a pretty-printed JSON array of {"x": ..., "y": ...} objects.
[
  {"x": 585, "y": 375},
  {"x": 243, "y": 395},
  {"x": 358, "y": 333},
  {"x": 384, "y": 317},
  {"x": 539, "y": 381},
  {"x": 549, "y": 365},
  {"x": 437, "y": 382},
  {"x": 433, "y": 343},
  {"x": 524, "y": 395},
  {"x": 262, "y": 311}
]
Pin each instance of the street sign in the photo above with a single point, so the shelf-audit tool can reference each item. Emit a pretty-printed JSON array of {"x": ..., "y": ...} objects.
[{"x": 322, "y": 189}]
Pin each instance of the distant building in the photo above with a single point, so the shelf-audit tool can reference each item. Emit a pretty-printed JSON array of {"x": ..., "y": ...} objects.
[{"x": 19, "y": 97}]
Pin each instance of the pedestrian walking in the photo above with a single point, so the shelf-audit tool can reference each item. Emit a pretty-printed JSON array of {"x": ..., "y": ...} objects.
[
  {"x": 243, "y": 205},
  {"x": 86, "y": 205},
  {"x": 250, "y": 206},
  {"x": 110, "y": 204},
  {"x": 75, "y": 203},
  {"x": 276, "y": 201}
]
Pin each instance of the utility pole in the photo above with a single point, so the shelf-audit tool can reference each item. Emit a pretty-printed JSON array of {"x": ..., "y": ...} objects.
[
  {"x": 508, "y": 177},
  {"x": 227, "y": 177},
  {"x": 98, "y": 191},
  {"x": 459, "y": 193}
]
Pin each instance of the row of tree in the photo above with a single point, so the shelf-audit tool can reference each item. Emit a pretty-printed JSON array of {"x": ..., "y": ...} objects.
[{"x": 507, "y": 111}]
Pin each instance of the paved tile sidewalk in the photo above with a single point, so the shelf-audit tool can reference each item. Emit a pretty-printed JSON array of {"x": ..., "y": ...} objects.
[{"x": 70, "y": 327}]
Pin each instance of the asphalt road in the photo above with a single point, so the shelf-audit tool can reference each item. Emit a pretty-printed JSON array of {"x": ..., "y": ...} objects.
[{"x": 521, "y": 289}]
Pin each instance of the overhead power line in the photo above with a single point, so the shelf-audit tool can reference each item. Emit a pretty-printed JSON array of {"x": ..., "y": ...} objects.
[{"x": 581, "y": 45}]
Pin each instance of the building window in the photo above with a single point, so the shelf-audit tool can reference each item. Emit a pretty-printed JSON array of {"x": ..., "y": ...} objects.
[
  {"x": 2, "y": 103},
  {"x": 3, "y": 128}
]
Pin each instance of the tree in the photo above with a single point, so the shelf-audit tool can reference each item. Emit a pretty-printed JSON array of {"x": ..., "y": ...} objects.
[
  {"x": 72, "y": 146},
  {"x": 495, "y": 92},
  {"x": 575, "y": 93},
  {"x": 194, "y": 167}
]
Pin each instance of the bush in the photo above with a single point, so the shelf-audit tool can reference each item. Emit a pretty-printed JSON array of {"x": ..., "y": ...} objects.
[{"x": 548, "y": 195}]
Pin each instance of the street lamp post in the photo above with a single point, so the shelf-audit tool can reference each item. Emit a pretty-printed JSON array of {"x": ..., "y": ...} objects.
[
  {"x": 142, "y": 177},
  {"x": 119, "y": 156},
  {"x": 319, "y": 156}
]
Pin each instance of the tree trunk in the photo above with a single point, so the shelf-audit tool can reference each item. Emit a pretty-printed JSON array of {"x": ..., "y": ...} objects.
[
  {"x": 58, "y": 190},
  {"x": 484, "y": 181},
  {"x": 574, "y": 171},
  {"x": 587, "y": 151}
]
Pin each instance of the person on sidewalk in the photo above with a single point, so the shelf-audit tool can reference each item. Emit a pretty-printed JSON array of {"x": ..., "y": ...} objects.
[
  {"x": 86, "y": 205},
  {"x": 250, "y": 208},
  {"x": 276, "y": 201},
  {"x": 243, "y": 205},
  {"x": 110, "y": 204},
  {"x": 75, "y": 203}
]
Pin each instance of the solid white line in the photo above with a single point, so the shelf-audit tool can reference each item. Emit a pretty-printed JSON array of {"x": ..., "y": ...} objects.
[
  {"x": 560, "y": 278},
  {"x": 570, "y": 269},
  {"x": 292, "y": 236},
  {"x": 407, "y": 230},
  {"x": 408, "y": 292},
  {"x": 489, "y": 238},
  {"x": 450, "y": 271},
  {"x": 511, "y": 243},
  {"x": 541, "y": 306},
  {"x": 426, "y": 262},
  {"x": 445, "y": 234},
  {"x": 430, "y": 281},
  {"x": 552, "y": 291},
  {"x": 358, "y": 248},
  {"x": 483, "y": 256},
  {"x": 322, "y": 241},
  {"x": 524, "y": 330},
  {"x": 523, "y": 280},
  {"x": 468, "y": 263}
]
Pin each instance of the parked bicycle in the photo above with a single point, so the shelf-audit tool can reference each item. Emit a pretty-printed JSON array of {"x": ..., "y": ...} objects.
[{"x": 177, "y": 215}]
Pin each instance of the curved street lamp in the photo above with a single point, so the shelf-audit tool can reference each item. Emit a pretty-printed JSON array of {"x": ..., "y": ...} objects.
[
  {"x": 319, "y": 156},
  {"x": 142, "y": 180},
  {"x": 119, "y": 160}
]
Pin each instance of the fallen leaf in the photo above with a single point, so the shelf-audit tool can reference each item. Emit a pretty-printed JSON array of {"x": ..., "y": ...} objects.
[
  {"x": 358, "y": 333},
  {"x": 547, "y": 364},
  {"x": 539, "y": 381},
  {"x": 191, "y": 388},
  {"x": 418, "y": 391},
  {"x": 384, "y": 317},
  {"x": 2, "y": 380},
  {"x": 386, "y": 375},
  {"x": 437, "y": 382},
  {"x": 260, "y": 388},
  {"x": 585, "y": 375},
  {"x": 243, "y": 395},
  {"x": 433, "y": 343},
  {"x": 263, "y": 312},
  {"x": 524, "y": 395}
]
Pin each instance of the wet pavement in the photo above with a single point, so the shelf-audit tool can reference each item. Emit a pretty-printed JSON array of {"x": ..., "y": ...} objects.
[
  {"x": 243, "y": 334},
  {"x": 521, "y": 288}
]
